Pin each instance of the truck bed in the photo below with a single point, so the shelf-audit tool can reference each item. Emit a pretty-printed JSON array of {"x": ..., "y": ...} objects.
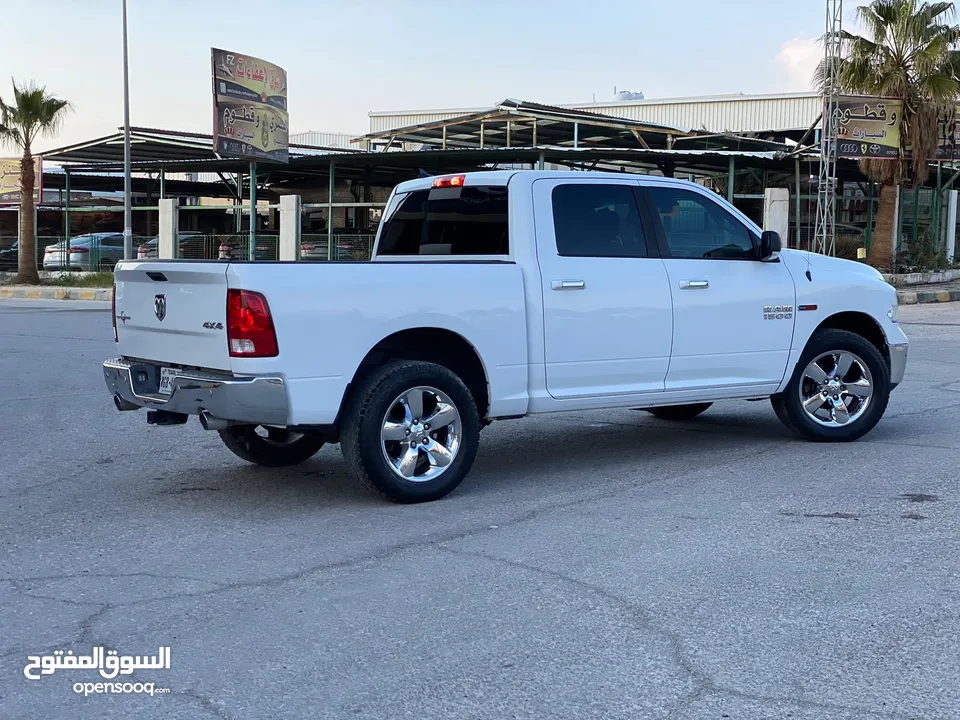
[{"x": 327, "y": 316}]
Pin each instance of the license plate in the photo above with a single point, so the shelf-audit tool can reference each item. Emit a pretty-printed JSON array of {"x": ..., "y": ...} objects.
[{"x": 166, "y": 380}]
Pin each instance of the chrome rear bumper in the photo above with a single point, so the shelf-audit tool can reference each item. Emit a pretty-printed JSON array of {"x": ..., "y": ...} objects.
[
  {"x": 898, "y": 363},
  {"x": 253, "y": 399}
]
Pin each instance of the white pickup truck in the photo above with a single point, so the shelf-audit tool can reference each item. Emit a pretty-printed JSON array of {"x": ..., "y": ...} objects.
[{"x": 495, "y": 295}]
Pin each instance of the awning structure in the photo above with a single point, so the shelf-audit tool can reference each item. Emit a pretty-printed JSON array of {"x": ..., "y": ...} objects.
[{"x": 150, "y": 145}]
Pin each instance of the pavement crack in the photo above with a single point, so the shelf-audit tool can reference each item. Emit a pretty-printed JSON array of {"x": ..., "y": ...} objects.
[
  {"x": 204, "y": 702},
  {"x": 640, "y": 614}
]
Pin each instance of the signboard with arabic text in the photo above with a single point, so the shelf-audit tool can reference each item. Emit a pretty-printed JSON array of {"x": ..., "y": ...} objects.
[
  {"x": 868, "y": 127},
  {"x": 10, "y": 180},
  {"x": 948, "y": 135},
  {"x": 249, "y": 107}
]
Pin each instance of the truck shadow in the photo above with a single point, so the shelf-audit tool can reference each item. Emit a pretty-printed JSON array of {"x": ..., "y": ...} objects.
[{"x": 536, "y": 452}]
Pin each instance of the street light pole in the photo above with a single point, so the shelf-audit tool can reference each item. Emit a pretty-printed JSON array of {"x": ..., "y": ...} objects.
[{"x": 127, "y": 201}]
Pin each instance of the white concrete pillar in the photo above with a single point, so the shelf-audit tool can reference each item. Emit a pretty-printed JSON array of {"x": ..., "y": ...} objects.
[
  {"x": 951, "y": 228},
  {"x": 168, "y": 247},
  {"x": 290, "y": 219},
  {"x": 776, "y": 211}
]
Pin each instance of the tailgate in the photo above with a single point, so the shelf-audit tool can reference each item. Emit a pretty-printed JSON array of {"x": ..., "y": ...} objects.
[{"x": 173, "y": 312}]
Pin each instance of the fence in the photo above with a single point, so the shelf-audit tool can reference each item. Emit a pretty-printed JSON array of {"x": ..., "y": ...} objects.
[{"x": 920, "y": 241}]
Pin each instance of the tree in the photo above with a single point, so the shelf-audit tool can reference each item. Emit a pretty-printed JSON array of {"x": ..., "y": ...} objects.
[
  {"x": 31, "y": 114},
  {"x": 908, "y": 52}
]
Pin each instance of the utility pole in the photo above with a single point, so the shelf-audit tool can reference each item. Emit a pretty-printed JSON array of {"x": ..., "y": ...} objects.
[{"x": 127, "y": 200}]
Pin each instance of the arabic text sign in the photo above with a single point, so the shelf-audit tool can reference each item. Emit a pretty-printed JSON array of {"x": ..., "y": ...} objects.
[
  {"x": 868, "y": 127},
  {"x": 948, "y": 132},
  {"x": 10, "y": 180},
  {"x": 249, "y": 107},
  {"x": 108, "y": 663}
]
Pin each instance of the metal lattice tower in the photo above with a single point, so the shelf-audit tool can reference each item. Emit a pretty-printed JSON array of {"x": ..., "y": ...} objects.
[{"x": 824, "y": 239}]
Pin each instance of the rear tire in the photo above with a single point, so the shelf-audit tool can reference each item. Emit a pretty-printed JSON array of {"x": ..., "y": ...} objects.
[
  {"x": 281, "y": 448},
  {"x": 839, "y": 389},
  {"x": 678, "y": 413},
  {"x": 389, "y": 441}
]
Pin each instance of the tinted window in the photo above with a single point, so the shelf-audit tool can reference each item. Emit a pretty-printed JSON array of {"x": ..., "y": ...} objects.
[
  {"x": 593, "y": 220},
  {"x": 112, "y": 241},
  {"x": 448, "y": 221},
  {"x": 697, "y": 227}
]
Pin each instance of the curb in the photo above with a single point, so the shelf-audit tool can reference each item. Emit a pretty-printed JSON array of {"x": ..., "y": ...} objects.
[
  {"x": 920, "y": 297},
  {"x": 927, "y": 278},
  {"x": 32, "y": 292},
  {"x": 905, "y": 297}
]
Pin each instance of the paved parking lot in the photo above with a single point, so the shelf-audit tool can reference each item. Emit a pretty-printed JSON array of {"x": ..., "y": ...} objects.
[{"x": 601, "y": 565}]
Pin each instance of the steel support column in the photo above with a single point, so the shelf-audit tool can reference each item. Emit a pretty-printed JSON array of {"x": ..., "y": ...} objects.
[
  {"x": 331, "y": 179},
  {"x": 796, "y": 210},
  {"x": 731, "y": 171},
  {"x": 66, "y": 209},
  {"x": 253, "y": 210}
]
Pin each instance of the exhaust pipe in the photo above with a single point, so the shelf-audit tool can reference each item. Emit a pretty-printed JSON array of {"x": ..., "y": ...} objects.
[
  {"x": 123, "y": 405},
  {"x": 211, "y": 422}
]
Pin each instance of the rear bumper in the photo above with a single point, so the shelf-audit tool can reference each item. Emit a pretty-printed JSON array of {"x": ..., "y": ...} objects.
[
  {"x": 898, "y": 363},
  {"x": 259, "y": 399}
]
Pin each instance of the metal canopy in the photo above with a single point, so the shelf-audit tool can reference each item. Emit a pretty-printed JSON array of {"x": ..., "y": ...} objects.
[
  {"x": 150, "y": 145},
  {"x": 517, "y": 123}
]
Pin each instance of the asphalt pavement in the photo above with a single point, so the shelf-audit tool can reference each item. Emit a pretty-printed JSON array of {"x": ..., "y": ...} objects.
[{"x": 595, "y": 565}]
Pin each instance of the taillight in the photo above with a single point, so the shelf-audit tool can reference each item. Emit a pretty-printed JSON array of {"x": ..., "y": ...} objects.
[
  {"x": 113, "y": 311},
  {"x": 79, "y": 250},
  {"x": 451, "y": 181},
  {"x": 250, "y": 331},
  {"x": 306, "y": 247}
]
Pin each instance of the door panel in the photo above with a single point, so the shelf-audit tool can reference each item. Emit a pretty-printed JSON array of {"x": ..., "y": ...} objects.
[
  {"x": 606, "y": 304},
  {"x": 723, "y": 334}
]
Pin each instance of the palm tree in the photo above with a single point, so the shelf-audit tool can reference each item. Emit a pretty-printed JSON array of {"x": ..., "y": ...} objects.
[
  {"x": 31, "y": 114},
  {"x": 908, "y": 52}
]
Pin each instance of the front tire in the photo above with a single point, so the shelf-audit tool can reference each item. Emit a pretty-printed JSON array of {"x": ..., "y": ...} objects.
[
  {"x": 411, "y": 431},
  {"x": 678, "y": 413},
  {"x": 839, "y": 389},
  {"x": 270, "y": 447}
]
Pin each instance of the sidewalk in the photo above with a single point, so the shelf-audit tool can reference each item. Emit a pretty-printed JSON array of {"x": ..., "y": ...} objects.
[
  {"x": 935, "y": 293},
  {"x": 48, "y": 292}
]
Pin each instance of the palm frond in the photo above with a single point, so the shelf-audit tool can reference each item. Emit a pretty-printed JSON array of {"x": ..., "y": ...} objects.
[{"x": 33, "y": 112}]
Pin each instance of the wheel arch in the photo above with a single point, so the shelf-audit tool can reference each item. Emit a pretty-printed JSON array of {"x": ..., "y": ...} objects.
[
  {"x": 430, "y": 344},
  {"x": 859, "y": 323}
]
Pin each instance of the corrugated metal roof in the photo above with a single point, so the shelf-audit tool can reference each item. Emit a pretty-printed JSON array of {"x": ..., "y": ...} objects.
[
  {"x": 325, "y": 139},
  {"x": 714, "y": 113}
]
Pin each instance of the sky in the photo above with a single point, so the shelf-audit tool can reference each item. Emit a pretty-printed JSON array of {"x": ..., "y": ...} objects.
[{"x": 345, "y": 58}]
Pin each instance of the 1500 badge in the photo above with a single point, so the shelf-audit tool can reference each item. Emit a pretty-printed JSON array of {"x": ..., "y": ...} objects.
[{"x": 777, "y": 312}]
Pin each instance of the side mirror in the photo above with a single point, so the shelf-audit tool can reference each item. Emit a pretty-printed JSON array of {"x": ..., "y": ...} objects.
[{"x": 769, "y": 244}]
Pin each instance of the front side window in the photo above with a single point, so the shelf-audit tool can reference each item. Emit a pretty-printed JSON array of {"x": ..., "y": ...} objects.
[
  {"x": 448, "y": 221},
  {"x": 595, "y": 220},
  {"x": 697, "y": 227}
]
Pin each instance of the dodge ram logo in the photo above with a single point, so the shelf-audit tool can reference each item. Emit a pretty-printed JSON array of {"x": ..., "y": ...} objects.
[{"x": 160, "y": 306}]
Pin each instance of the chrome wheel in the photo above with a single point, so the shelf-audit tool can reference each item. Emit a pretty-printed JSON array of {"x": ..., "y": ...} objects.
[
  {"x": 836, "y": 388},
  {"x": 420, "y": 434}
]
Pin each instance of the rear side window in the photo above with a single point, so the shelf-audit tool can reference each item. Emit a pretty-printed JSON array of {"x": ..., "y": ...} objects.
[
  {"x": 448, "y": 221},
  {"x": 594, "y": 220}
]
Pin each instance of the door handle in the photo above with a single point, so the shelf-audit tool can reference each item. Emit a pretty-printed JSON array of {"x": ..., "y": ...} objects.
[
  {"x": 568, "y": 284},
  {"x": 694, "y": 284}
]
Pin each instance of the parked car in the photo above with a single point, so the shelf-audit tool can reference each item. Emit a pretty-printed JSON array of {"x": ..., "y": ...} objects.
[
  {"x": 192, "y": 245},
  {"x": 92, "y": 252},
  {"x": 347, "y": 245},
  {"x": 10, "y": 257},
  {"x": 495, "y": 295}
]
